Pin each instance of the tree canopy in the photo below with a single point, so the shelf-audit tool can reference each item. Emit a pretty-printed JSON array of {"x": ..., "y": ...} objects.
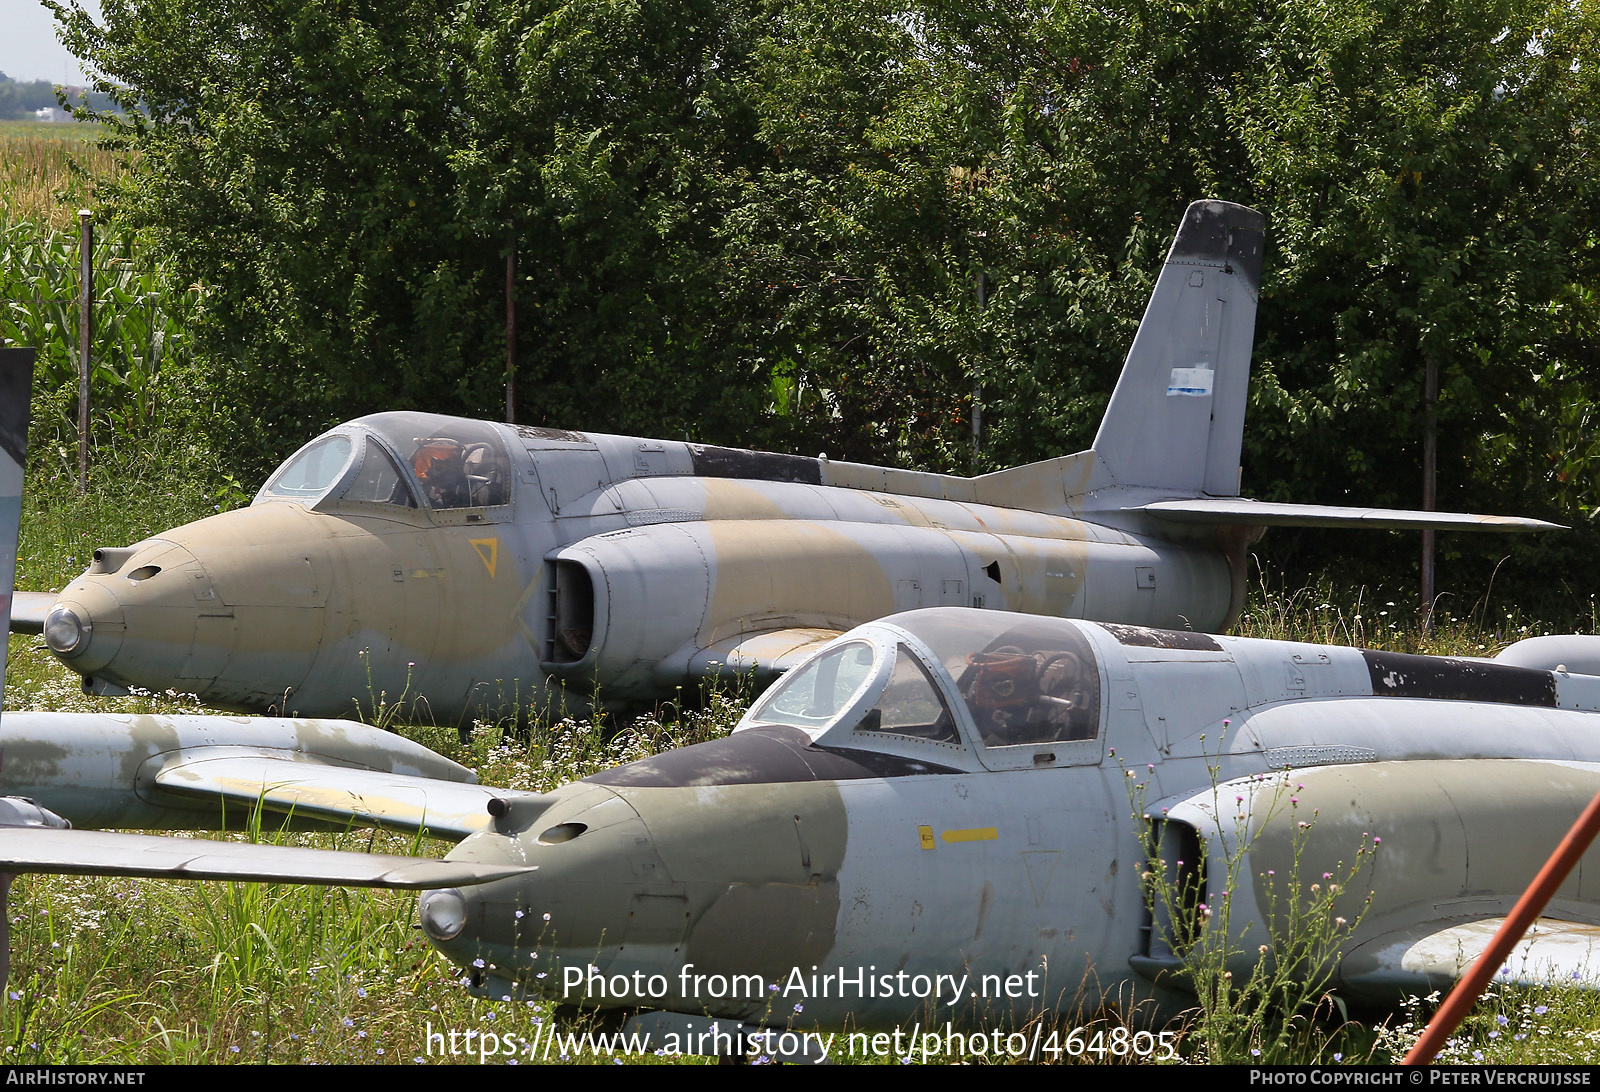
[{"x": 827, "y": 224}]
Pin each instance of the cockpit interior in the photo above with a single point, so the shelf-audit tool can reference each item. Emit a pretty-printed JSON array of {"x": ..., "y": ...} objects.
[{"x": 937, "y": 680}]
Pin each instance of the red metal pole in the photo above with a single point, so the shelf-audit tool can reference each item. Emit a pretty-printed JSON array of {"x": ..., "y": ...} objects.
[{"x": 1550, "y": 877}]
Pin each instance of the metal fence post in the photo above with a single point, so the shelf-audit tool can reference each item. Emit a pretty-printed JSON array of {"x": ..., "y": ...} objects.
[{"x": 85, "y": 327}]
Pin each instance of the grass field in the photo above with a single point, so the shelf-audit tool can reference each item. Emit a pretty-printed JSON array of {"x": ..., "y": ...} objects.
[{"x": 49, "y": 171}]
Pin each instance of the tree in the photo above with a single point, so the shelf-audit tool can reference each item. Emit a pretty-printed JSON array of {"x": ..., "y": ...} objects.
[
  {"x": 347, "y": 178},
  {"x": 766, "y": 221},
  {"x": 1430, "y": 199}
]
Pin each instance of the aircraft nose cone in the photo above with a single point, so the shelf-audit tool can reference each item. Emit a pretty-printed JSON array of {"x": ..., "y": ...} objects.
[
  {"x": 85, "y": 628},
  {"x": 593, "y": 860},
  {"x": 229, "y": 608},
  {"x": 158, "y": 591}
]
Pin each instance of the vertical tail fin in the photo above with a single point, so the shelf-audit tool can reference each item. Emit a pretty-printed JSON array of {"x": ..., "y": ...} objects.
[
  {"x": 1176, "y": 418},
  {"x": 16, "y": 386}
]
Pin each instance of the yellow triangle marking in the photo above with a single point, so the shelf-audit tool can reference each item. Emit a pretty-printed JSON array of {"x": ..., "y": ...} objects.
[
  {"x": 489, "y": 550},
  {"x": 973, "y": 834}
]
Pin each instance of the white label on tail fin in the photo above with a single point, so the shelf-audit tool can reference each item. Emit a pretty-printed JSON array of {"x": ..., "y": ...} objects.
[{"x": 1192, "y": 382}]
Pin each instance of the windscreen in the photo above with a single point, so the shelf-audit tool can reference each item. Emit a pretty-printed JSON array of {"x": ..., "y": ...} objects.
[
  {"x": 910, "y": 705},
  {"x": 815, "y": 693},
  {"x": 311, "y": 470},
  {"x": 379, "y": 480}
]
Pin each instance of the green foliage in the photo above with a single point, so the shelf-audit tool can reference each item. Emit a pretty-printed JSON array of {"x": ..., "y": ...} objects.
[
  {"x": 1424, "y": 170},
  {"x": 140, "y": 332},
  {"x": 770, "y": 222}
]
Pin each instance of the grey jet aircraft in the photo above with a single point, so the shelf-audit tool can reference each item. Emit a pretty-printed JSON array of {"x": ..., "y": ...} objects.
[
  {"x": 957, "y": 812},
  {"x": 479, "y": 565},
  {"x": 105, "y": 769},
  {"x": 960, "y": 815}
]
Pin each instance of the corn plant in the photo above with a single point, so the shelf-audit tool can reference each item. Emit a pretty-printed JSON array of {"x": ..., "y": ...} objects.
[{"x": 140, "y": 326}]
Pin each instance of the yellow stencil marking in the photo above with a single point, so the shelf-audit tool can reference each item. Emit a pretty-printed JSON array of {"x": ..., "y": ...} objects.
[
  {"x": 489, "y": 550},
  {"x": 925, "y": 833},
  {"x": 972, "y": 834}
]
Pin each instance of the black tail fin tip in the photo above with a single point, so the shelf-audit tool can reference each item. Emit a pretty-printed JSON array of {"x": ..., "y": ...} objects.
[
  {"x": 16, "y": 384},
  {"x": 1223, "y": 234}
]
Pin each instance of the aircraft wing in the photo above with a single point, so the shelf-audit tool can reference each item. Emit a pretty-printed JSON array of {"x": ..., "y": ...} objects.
[
  {"x": 765, "y": 655},
  {"x": 1428, "y": 957},
  {"x": 1254, "y": 513},
  {"x": 107, "y": 853},
  {"x": 28, "y": 610},
  {"x": 444, "y": 809}
]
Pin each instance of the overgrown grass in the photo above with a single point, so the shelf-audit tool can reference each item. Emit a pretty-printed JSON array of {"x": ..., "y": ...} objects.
[{"x": 1387, "y": 618}]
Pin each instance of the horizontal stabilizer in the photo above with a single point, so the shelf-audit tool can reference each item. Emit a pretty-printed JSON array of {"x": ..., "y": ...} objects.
[
  {"x": 1431, "y": 956},
  {"x": 28, "y": 610},
  {"x": 1252, "y": 513},
  {"x": 338, "y": 794},
  {"x": 105, "y": 853}
]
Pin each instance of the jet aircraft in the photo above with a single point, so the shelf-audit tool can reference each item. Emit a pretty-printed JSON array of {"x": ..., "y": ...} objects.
[
  {"x": 967, "y": 814},
  {"x": 108, "y": 769},
  {"x": 950, "y": 811},
  {"x": 479, "y": 565}
]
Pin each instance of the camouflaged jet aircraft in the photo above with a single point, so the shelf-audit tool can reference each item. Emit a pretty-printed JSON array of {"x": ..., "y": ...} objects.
[
  {"x": 139, "y": 771},
  {"x": 945, "y": 815},
  {"x": 959, "y": 816},
  {"x": 482, "y": 565}
]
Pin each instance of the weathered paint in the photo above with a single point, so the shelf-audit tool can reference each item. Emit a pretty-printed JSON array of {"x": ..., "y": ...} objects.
[
  {"x": 825, "y": 851},
  {"x": 127, "y": 770}
]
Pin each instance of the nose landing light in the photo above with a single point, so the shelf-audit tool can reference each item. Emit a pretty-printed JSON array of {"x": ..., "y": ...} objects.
[
  {"x": 443, "y": 914},
  {"x": 65, "y": 632}
]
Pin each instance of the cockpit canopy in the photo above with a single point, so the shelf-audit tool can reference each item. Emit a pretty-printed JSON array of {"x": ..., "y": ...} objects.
[
  {"x": 928, "y": 680},
  {"x": 406, "y": 460}
]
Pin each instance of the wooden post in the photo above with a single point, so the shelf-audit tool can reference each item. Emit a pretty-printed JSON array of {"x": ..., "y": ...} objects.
[
  {"x": 85, "y": 328},
  {"x": 511, "y": 335},
  {"x": 977, "y": 386},
  {"x": 1430, "y": 469}
]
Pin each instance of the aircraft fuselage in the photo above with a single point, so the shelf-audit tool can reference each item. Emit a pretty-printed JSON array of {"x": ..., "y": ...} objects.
[
  {"x": 608, "y": 567},
  {"x": 929, "y": 815}
]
